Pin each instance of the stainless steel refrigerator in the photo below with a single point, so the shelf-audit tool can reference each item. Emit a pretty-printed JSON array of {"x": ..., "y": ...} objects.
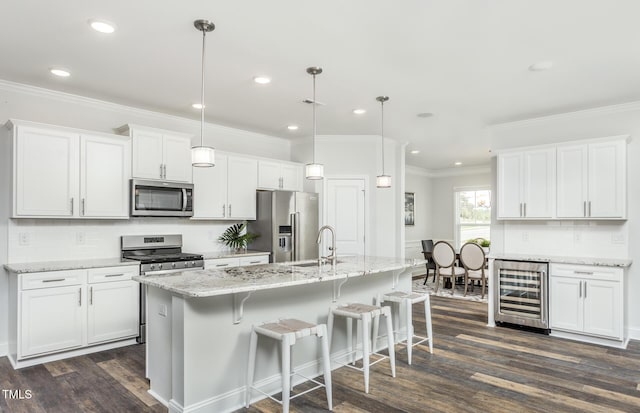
[{"x": 287, "y": 223}]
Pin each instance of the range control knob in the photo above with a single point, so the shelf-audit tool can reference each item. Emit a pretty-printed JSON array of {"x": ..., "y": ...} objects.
[
  {"x": 160, "y": 266},
  {"x": 173, "y": 265},
  {"x": 152, "y": 267},
  {"x": 193, "y": 263}
]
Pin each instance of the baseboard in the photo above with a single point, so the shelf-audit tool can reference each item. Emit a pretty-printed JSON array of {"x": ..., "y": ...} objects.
[
  {"x": 590, "y": 339},
  {"x": 634, "y": 333},
  {"x": 4, "y": 349}
]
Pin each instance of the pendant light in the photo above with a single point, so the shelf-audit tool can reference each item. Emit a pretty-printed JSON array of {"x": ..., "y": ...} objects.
[
  {"x": 203, "y": 156},
  {"x": 314, "y": 170},
  {"x": 382, "y": 181}
]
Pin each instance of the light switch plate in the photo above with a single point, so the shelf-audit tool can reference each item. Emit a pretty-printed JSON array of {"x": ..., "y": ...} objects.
[{"x": 24, "y": 238}]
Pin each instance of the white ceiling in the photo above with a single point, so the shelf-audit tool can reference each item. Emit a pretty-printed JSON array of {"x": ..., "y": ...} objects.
[{"x": 464, "y": 61}]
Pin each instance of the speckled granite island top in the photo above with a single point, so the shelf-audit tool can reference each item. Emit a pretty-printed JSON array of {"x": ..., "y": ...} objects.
[
  {"x": 207, "y": 283},
  {"x": 231, "y": 254},
  {"x": 29, "y": 267},
  {"x": 603, "y": 262}
]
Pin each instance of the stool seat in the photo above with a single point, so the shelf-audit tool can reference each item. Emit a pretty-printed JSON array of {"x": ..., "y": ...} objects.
[
  {"x": 287, "y": 331},
  {"x": 363, "y": 314},
  {"x": 407, "y": 299}
]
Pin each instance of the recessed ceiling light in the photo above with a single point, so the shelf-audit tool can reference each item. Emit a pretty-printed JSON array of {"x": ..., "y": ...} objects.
[
  {"x": 540, "y": 66},
  {"x": 292, "y": 127},
  {"x": 415, "y": 152},
  {"x": 359, "y": 111},
  {"x": 262, "y": 80},
  {"x": 425, "y": 115},
  {"x": 458, "y": 163},
  {"x": 102, "y": 26},
  {"x": 60, "y": 72},
  {"x": 198, "y": 106}
]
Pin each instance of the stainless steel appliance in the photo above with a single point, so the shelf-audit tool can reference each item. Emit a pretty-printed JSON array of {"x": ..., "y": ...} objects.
[
  {"x": 287, "y": 222},
  {"x": 158, "y": 254},
  {"x": 161, "y": 199},
  {"x": 522, "y": 293}
]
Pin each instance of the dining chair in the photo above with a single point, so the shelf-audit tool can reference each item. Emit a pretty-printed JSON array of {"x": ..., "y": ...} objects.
[
  {"x": 427, "y": 251},
  {"x": 473, "y": 260},
  {"x": 444, "y": 257}
]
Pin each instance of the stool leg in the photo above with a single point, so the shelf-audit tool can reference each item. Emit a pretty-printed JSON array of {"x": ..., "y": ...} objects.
[
  {"x": 286, "y": 366},
  {"x": 291, "y": 370},
  {"x": 409, "y": 329},
  {"x": 427, "y": 317},
  {"x": 326, "y": 365},
  {"x": 392, "y": 351},
  {"x": 251, "y": 366},
  {"x": 366, "y": 318},
  {"x": 330, "y": 327},
  {"x": 350, "y": 339},
  {"x": 376, "y": 327}
]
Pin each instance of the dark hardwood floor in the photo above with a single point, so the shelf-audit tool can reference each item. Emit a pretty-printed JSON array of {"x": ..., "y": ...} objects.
[{"x": 473, "y": 369}]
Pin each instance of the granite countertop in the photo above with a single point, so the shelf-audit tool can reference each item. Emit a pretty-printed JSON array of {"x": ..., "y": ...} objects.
[
  {"x": 212, "y": 282},
  {"x": 232, "y": 254},
  {"x": 603, "y": 262},
  {"x": 28, "y": 267}
]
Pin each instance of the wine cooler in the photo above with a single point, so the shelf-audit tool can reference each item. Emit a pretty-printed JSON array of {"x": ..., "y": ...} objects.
[{"x": 522, "y": 293}]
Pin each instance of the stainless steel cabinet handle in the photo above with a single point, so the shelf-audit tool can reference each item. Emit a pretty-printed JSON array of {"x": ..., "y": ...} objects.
[
  {"x": 580, "y": 290},
  {"x": 54, "y": 281},
  {"x": 584, "y": 208},
  {"x": 223, "y": 210},
  {"x": 71, "y": 206},
  {"x": 229, "y": 210},
  {"x": 114, "y": 275},
  {"x": 585, "y": 289},
  {"x": 254, "y": 262},
  {"x": 583, "y": 272},
  {"x": 525, "y": 209},
  {"x": 82, "y": 203},
  {"x": 80, "y": 297},
  {"x": 160, "y": 171},
  {"x": 90, "y": 295},
  {"x": 165, "y": 170},
  {"x": 589, "y": 208},
  {"x": 222, "y": 265}
]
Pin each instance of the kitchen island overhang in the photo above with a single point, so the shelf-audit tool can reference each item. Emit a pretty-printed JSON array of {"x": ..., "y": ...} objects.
[{"x": 199, "y": 323}]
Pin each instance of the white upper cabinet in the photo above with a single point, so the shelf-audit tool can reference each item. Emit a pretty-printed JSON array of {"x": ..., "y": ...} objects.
[
  {"x": 279, "y": 175},
  {"x": 227, "y": 190},
  {"x": 66, "y": 173},
  {"x": 592, "y": 180},
  {"x": 159, "y": 154},
  {"x": 526, "y": 184}
]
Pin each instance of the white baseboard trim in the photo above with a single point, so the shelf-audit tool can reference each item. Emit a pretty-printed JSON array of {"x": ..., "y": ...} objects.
[
  {"x": 634, "y": 333},
  {"x": 4, "y": 349},
  {"x": 589, "y": 339}
]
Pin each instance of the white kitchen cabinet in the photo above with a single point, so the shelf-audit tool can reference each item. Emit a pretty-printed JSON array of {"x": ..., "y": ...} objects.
[
  {"x": 241, "y": 261},
  {"x": 587, "y": 300},
  {"x": 254, "y": 260},
  {"x": 592, "y": 180},
  {"x": 526, "y": 184},
  {"x": 159, "y": 154},
  {"x": 279, "y": 175},
  {"x": 226, "y": 191},
  {"x": 67, "y": 173}
]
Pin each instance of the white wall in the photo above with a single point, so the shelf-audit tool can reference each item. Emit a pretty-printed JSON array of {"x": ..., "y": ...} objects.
[
  {"x": 583, "y": 238},
  {"x": 419, "y": 181}
]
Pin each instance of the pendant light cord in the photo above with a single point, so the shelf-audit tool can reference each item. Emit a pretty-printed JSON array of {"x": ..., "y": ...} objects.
[
  {"x": 204, "y": 36},
  {"x": 382, "y": 133},
  {"x": 314, "y": 119}
]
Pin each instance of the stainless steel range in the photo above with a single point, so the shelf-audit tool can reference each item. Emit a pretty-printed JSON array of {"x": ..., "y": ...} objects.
[{"x": 158, "y": 254}]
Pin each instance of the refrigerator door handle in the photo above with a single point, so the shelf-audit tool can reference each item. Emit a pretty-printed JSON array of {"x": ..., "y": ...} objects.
[{"x": 295, "y": 234}]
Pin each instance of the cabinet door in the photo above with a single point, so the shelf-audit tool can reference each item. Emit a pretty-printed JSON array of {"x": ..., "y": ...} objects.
[
  {"x": 607, "y": 180},
  {"x": 572, "y": 182},
  {"x": 221, "y": 263},
  {"x": 566, "y": 304},
  {"x": 51, "y": 319},
  {"x": 539, "y": 183},
  {"x": 241, "y": 187},
  {"x": 147, "y": 154},
  {"x": 112, "y": 311},
  {"x": 269, "y": 175},
  {"x": 602, "y": 308},
  {"x": 510, "y": 185},
  {"x": 291, "y": 177},
  {"x": 177, "y": 158},
  {"x": 46, "y": 168},
  {"x": 210, "y": 190},
  {"x": 105, "y": 170}
]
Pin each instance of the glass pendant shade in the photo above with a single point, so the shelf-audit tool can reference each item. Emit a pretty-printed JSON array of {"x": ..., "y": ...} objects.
[
  {"x": 383, "y": 181},
  {"x": 203, "y": 156},
  {"x": 314, "y": 171}
]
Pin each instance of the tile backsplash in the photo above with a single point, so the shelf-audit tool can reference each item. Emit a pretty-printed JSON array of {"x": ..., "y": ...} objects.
[{"x": 34, "y": 240}]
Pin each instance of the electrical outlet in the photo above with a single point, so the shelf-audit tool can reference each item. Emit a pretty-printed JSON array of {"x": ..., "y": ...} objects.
[
  {"x": 24, "y": 238},
  {"x": 162, "y": 310},
  {"x": 525, "y": 237},
  {"x": 81, "y": 238},
  {"x": 577, "y": 237},
  {"x": 617, "y": 238}
]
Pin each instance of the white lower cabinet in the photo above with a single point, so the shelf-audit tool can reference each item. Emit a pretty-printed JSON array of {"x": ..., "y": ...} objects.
[
  {"x": 587, "y": 300},
  {"x": 244, "y": 261},
  {"x": 58, "y": 311}
]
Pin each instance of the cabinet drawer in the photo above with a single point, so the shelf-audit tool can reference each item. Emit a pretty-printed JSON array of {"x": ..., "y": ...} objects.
[
  {"x": 52, "y": 279},
  {"x": 221, "y": 263},
  {"x": 586, "y": 272},
  {"x": 255, "y": 260},
  {"x": 110, "y": 274}
]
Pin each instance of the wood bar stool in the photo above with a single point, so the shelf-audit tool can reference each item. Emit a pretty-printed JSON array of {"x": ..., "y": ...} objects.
[
  {"x": 364, "y": 314},
  {"x": 287, "y": 331},
  {"x": 407, "y": 300}
]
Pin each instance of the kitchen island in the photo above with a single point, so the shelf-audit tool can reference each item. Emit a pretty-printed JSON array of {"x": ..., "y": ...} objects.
[{"x": 199, "y": 323}]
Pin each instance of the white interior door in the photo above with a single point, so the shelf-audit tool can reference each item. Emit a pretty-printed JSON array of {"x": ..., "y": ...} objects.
[{"x": 345, "y": 211}]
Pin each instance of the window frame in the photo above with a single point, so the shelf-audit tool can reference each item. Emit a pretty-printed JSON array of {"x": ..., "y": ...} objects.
[{"x": 456, "y": 209}]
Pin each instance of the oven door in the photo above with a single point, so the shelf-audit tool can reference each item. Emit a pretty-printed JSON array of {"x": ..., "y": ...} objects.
[{"x": 164, "y": 199}]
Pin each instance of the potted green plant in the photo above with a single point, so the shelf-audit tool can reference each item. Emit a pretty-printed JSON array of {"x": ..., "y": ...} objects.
[{"x": 237, "y": 237}]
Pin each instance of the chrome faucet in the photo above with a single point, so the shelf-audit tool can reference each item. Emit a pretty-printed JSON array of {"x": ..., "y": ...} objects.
[{"x": 333, "y": 258}]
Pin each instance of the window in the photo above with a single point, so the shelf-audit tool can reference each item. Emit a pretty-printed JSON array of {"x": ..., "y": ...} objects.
[{"x": 473, "y": 215}]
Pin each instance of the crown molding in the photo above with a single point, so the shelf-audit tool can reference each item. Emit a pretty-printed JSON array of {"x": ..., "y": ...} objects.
[
  {"x": 578, "y": 114},
  {"x": 40, "y": 92},
  {"x": 447, "y": 172}
]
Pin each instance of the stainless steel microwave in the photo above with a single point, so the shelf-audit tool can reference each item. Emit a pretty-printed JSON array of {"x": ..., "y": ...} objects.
[{"x": 161, "y": 199}]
